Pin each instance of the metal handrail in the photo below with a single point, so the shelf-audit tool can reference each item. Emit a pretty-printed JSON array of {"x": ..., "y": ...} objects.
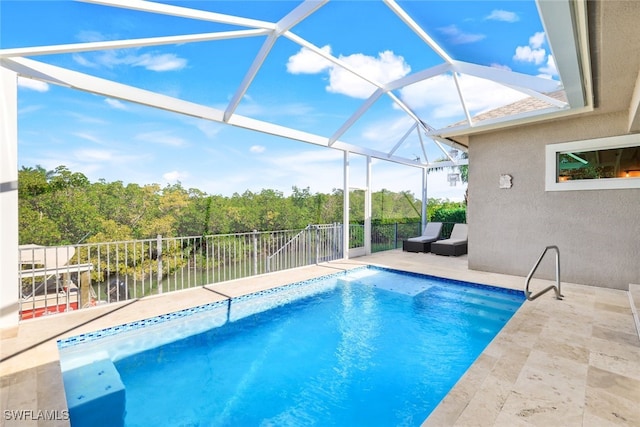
[
  {"x": 285, "y": 246},
  {"x": 555, "y": 287}
]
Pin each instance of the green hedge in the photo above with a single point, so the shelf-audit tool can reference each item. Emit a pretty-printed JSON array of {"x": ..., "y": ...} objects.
[{"x": 457, "y": 215}]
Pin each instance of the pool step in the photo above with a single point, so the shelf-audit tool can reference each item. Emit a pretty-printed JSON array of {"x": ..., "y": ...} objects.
[
  {"x": 487, "y": 309},
  {"x": 476, "y": 298},
  {"x": 95, "y": 394},
  {"x": 483, "y": 293},
  {"x": 409, "y": 287}
]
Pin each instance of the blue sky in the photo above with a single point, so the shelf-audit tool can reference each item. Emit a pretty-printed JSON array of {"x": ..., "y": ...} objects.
[{"x": 117, "y": 140}]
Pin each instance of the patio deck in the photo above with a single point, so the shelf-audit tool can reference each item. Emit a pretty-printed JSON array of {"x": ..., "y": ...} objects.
[{"x": 574, "y": 362}]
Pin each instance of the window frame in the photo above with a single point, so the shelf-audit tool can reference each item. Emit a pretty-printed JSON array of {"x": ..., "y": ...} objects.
[{"x": 551, "y": 164}]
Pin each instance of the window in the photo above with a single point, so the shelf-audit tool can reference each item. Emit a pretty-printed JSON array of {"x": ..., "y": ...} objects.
[{"x": 604, "y": 163}]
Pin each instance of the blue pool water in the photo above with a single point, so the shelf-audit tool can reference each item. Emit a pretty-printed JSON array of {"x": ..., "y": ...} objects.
[{"x": 372, "y": 347}]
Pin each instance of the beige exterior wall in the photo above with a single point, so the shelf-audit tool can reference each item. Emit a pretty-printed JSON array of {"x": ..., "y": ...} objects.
[{"x": 597, "y": 231}]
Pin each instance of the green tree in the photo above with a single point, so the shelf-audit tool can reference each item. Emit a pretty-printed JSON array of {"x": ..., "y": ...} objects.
[{"x": 63, "y": 207}]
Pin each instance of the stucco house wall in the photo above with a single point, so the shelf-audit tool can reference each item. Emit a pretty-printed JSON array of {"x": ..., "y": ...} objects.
[{"x": 597, "y": 231}]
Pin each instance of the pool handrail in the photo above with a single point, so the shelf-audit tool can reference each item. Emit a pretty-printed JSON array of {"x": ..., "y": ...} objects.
[{"x": 555, "y": 287}]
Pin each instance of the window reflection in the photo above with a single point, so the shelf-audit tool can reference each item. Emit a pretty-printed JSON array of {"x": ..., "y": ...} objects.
[{"x": 599, "y": 164}]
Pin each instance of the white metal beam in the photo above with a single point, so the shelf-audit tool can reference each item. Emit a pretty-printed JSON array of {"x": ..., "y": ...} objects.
[
  {"x": 404, "y": 107},
  {"x": 510, "y": 78},
  {"x": 404, "y": 16},
  {"x": 345, "y": 205},
  {"x": 502, "y": 122},
  {"x": 293, "y": 18},
  {"x": 289, "y": 133},
  {"x": 125, "y": 44},
  {"x": 52, "y": 74},
  {"x": 367, "y": 208},
  {"x": 61, "y": 76},
  {"x": 542, "y": 97},
  {"x": 418, "y": 77},
  {"x": 251, "y": 74},
  {"x": 423, "y": 221},
  {"x": 462, "y": 101},
  {"x": 184, "y": 12},
  {"x": 298, "y": 14},
  {"x": 9, "y": 226},
  {"x": 634, "y": 108},
  {"x": 355, "y": 116},
  {"x": 438, "y": 142},
  {"x": 447, "y": 164},
  {"x": 562, "y": 32},
  {"x": 424, "y": 151},
  {"x": 404, "y": 137}
]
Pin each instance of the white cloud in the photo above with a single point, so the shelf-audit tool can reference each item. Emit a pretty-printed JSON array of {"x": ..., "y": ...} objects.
[
  {"x": 257, "y": 149},
  {"x": 437, "y": 98},
  {"x": 31, "y": 84},
  {"x": 151, "y": 61},
  {"x": 81, "y": 60},
  {"x": 457, "y": 36},
  {"x": 550, "y": 70},
  {"x": 174, "y": 176},
  {"x": 161, "y": 137},
  {"x": 115, "y": 103},
  {"x": 534, "y": 52},
  {"x": 537, "y": 40},
  {"x": 163, "y": 62},
  {"x": 30, "y": 109},
  {"x": 500, "y": 67},
  {"x": 90, "y": 36},
  {"x": 88, "y": 137},
  {"x": 252, "y": 108},
  {"x": 85, "y": 118},
  {"x": 319, "y": 169},
  {"x": 307, "y": 61},
  {"x": 386, "y": 131},
  {"x": 386, "y": 68},
  {"x": 382, "y": 69},
  {"x": 527, "y": 54},
  {"x": 90, "y": 155},
  {"x": 503, "y": 15},
  {"x": 210, "y": 129}
]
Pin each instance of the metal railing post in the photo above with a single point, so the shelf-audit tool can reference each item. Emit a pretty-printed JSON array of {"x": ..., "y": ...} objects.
[
  {"x": 395, "y": 236},
  {"x": 255, "y": 252},
  {"x": 317, "y": 243},
  {"x": 309, "y": 244},
  {"x": 159, "y": 260}
]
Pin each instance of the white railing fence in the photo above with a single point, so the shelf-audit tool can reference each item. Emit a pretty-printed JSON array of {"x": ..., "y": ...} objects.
[
  {"x": 64, "y": 278},
  {"x": 58, "y": 279}
]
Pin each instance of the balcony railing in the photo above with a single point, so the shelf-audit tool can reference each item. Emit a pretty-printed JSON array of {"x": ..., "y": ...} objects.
[{"x": 64, "y": 278}]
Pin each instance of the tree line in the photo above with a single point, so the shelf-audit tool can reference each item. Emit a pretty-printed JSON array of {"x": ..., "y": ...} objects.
[{"x": 63, "y": 207}]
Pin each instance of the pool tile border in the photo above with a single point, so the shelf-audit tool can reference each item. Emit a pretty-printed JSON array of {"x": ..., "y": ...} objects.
[{"x": 126, "y": 327}]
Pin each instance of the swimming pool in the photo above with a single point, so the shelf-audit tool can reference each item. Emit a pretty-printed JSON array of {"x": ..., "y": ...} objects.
[{"x": 368, "y": 347}]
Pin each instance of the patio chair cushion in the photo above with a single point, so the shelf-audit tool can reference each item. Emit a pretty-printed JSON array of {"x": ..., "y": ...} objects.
[
  {"x": 422, "y": 243},
  {"x": 456, "y": 245}
]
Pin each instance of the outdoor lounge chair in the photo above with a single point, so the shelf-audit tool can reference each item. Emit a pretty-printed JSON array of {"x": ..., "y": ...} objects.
[
  {"x": 455, "y": 245},
  {"x": 422, "y": 243}
]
